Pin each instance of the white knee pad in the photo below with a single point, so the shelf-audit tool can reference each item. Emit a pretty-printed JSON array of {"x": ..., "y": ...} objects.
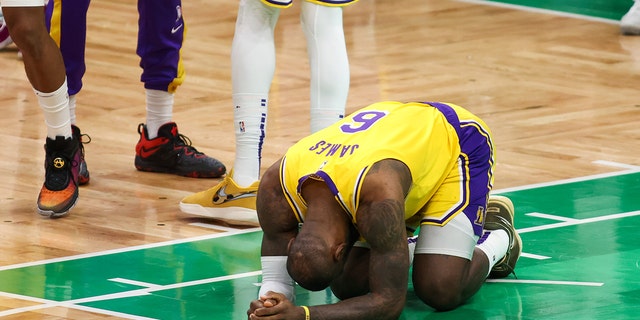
[{"x": 455, "y": 238}]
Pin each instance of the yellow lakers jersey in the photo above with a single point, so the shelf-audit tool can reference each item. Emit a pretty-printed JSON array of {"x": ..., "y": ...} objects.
[{"x": 417, "y": 134}]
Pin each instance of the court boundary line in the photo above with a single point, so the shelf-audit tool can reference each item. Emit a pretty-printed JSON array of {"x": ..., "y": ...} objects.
[
  {"x": 541, "y": 10},
  {"x": 576, "y": 222},
  {"x": 74, "y": 303},
  {"x": 568, "y": 181},
  {"x": 127, "y": 249},
  {"x": 556, "y": 282},
  {"x": 251, "y": 230}
]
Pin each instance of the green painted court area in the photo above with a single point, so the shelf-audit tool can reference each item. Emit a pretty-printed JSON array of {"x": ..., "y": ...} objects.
[
  {"x": 581, "y": 257},
  {"x": 581, "y": 260},
  {"x": 606, "y": 9}
]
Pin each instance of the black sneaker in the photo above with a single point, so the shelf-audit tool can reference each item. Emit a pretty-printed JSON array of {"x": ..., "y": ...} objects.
[
  {"x": 171, "y": 152},
  {"x": 500, "y": 214},
  {"x": 83, "y": 171},
  {"x": 59, "y": 193}
]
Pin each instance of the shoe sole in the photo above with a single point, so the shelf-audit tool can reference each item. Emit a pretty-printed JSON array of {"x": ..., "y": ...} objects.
[
  {"x": 228, "y": 213},
  {"x": 189, "y": 174},
  {"x": 630, "y": 30},
  {"x": 506, "y": 202},
  {"x": 54, "y": 215}
]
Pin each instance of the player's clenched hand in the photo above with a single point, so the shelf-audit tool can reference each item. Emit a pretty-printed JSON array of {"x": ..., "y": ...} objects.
[
  {"x": 253, "y": 306},
  {"x": 274, "y": 306}
]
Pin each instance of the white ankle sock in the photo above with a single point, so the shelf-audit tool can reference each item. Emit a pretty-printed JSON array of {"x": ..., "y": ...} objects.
[
  {"x": 159, "y": 110},
  {"x": 72, "y": 109},
  {"x": 55, "y": 106},
  {"x": 495, "y": 246}
]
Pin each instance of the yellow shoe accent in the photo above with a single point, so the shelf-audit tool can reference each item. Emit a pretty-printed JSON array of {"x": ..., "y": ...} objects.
[{"x": 226, "y": 200}]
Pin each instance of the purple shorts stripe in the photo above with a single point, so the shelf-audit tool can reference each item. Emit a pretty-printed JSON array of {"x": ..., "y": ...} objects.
[
  {"x": 69, "y": 27},
  {"x": 476, "y": 144}
]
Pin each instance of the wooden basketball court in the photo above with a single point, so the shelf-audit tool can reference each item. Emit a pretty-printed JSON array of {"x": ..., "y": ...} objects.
[{"x": 558, "y": 88}]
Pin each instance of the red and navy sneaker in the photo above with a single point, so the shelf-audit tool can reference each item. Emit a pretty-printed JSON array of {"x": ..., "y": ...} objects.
[{"x": 172, "y": 152}]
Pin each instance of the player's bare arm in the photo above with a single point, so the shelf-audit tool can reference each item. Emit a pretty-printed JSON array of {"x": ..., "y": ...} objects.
[
  {"x": 380, "y": 220},
  {"x": 275, "y": 216},
  {"x": 278, "y": 224}
]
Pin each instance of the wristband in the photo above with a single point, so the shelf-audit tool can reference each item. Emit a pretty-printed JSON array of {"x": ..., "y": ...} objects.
[
  {"x": 307, "y": 315},
  {"x": 275, "y": 277}
]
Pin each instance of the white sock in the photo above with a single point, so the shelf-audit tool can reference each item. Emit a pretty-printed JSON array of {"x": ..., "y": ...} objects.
[
  {"x": 495, "y": 246},
  {"x": 328, "y": 62},
  {"x": 159, "y": 110},
  {"x": 72, "y": 109},
  {"x": 412, "y": 241},
  {"x": 253, "y": 63},
  {"x": 55, "y": 106},
  {"x": 250, "y": 123}
]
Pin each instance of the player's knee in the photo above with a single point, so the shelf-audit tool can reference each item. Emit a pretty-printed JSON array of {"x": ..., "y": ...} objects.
[
  {"x": 321, "y": 22},
  {"x": 442, "y": 296},
  {"x": 27, "y": 35},
  {"x": 254, "y": 13}
]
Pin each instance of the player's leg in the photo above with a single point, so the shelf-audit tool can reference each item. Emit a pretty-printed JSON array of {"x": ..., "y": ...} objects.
[
  {"x": 67, "y": 23},
  {"x": 43, "y": 62},
  {"x": 447, "y": 269},
  {"x": 252, "y": 70},
  {"x": 450, "y": 264},
  {"x": 45, "y": 70},
  {"x": 328, "y": 61},
  {"x": 253, "y": 64},
  {"x": 161, "y": 148}
]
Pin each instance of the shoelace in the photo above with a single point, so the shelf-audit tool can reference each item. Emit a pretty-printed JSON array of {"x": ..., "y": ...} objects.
[
  {"x": 81, "y": 138},
  {"x": 55, "y": 180},
  {"x": 184, "y": 141}
]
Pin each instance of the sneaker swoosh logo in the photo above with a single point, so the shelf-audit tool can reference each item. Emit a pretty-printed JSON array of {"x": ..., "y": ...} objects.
[
  {"x": 144, "y": 152},
  {"x": 175, "y": 29},
  {"x": 223, "y": 197}
]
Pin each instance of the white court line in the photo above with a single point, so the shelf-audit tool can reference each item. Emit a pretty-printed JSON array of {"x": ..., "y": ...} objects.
[
  {"x": 135, "y": 283},
  {"x": 617, "y": 164},
  {"x": 539, "y": 10},
  {"x": 72, "y": 303},
  {"x": 534, "y": 256},
  {"x": 566, "y": 223},
  {"x": 218, "y": 235},
  {"x": 567, "y": 283},
  {"x": 580, "y": 221},
  {"x": 125, "y": 294},
  {"x": 51, "y": 303},
  {"x": 213, "y": 226},
  {"x": 127, "y": 249},
  {"x": 566, "y": 181},
  {"x": 550, "y": 216}
]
